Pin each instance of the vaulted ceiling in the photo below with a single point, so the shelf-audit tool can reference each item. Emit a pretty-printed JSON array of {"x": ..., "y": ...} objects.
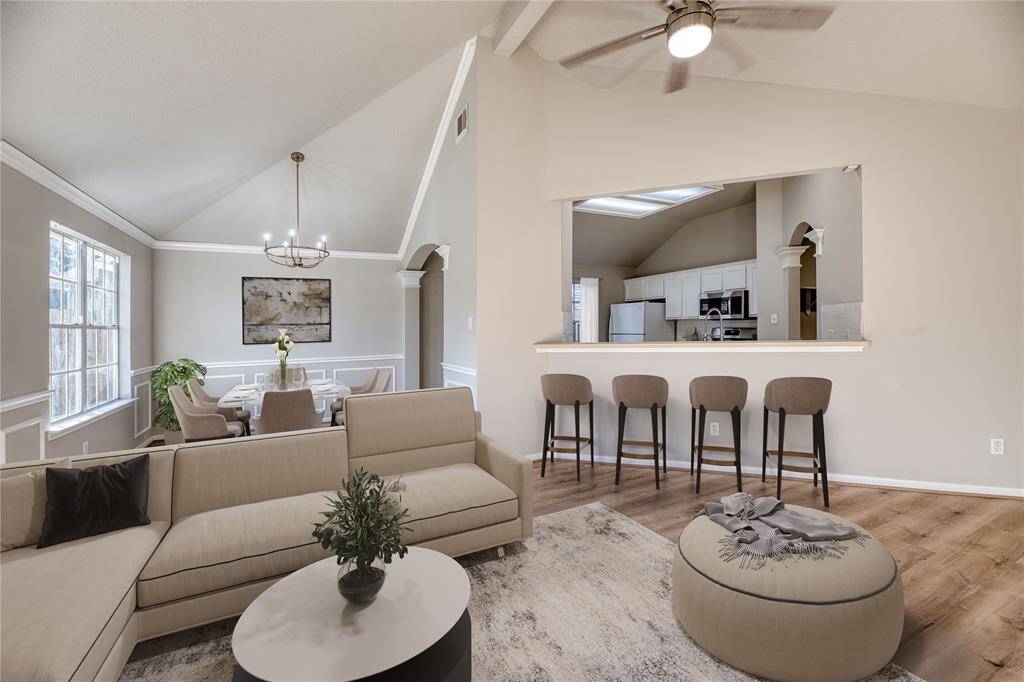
[{"x": 180, "y": 116}]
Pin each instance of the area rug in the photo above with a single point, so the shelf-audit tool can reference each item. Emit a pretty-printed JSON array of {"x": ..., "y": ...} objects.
[{"x": 586, "y": 598}]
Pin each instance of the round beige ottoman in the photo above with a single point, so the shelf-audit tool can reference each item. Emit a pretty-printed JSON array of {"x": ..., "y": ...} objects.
[{"x": 800, "y": 619}]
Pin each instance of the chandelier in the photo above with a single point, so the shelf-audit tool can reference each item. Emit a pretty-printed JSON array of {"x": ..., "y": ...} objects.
[{"x": 290, "y": 252}]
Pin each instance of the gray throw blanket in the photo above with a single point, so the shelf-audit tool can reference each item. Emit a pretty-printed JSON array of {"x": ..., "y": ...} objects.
[{"x": 764, "y": 529}]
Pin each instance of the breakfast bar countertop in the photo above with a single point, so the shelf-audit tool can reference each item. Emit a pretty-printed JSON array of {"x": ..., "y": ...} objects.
[{"x": 766, "y": 346}]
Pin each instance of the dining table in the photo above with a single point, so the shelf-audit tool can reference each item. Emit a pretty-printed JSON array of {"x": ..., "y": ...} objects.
[{"x": 251, "y": 395}]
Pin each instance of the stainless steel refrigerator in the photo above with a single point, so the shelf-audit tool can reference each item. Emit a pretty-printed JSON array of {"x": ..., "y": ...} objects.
[{"x": 639, "y": 322}]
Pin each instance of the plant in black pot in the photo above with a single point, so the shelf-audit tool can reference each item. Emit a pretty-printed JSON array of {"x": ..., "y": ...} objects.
[{"x": 363, "y": 527}]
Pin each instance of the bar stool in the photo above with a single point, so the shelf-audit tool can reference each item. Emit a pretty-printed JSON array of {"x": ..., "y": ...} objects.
[
  {"x": 803, "y": 396},
  {"x": 644, "y": 392},
  {"x": 716, "y": 394},
  {"x": 565, "y": 390}
]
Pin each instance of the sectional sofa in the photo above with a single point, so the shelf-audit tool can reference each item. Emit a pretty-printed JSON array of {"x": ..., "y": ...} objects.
[{"x": 230, "y": 517}]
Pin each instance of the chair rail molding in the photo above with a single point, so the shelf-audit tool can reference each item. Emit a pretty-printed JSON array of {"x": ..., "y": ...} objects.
[
  {"x": 301, "y": 361},
  {"x": 24, "y": 400},
  {"x": 459, "y": 369},
  {"x": 38, "y": 422}
]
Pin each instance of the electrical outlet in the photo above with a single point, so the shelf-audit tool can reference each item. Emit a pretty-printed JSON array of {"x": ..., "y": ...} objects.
[
  {"x": 714, "y": 429},
  {"x": 997, "y": 447},
  {"x": 775, "y": 318},
  {"x": 85, "y": 447}
]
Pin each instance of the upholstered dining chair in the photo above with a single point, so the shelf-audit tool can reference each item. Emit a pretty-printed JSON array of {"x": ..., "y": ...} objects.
[
  {"x": 288, "y": 411},
  {"x": 201, "y": 398},
  {"x": 338, "y": 406},
  {"x": 383, "y": 382},
  {"x": 200, "y": 422},
  {"x": 293, "y": 375}
]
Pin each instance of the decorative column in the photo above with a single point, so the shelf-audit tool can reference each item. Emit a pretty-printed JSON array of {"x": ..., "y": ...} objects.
[
  {"x": 790, "y": 257},
  {"x": 410, "y": 282},
  {"x": 444, "y": 251}
]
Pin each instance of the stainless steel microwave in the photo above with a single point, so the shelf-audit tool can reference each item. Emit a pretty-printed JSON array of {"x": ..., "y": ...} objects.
[{"x": 733, "y": 304}]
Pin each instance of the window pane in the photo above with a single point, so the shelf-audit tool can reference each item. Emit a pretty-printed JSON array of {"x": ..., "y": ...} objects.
[
  {"x": 74, "y": 347},
  {"x": 111, "y": 269},
  {"x": 71, "y": 259},
  {"x": 54, "y": 254},
  {"x": 57, "y": 350},
  {"x": 97, "y": 268},
  {"x": 112, "y": 346},
  {"x": 74, "y": 380},
  {"x": 58, "y": 403},
  {"x": 55, "y": 295},
  {"x": 111, "y": 383},
  {"x": 90, "y": 347},
  {"x": 110, "y": 308},
  {"x": 70, "y": 304},
  {"x": 90, "y": 388},
  {"x": 101, "y": 347},
  {"x": 92, "y": 296}
]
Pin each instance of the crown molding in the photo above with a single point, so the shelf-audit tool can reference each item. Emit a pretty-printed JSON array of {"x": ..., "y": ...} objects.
[
  {"x": 29, "y": 167},
  {"x": 461, "y": 73},
  {"x": 205, "y": 247}
]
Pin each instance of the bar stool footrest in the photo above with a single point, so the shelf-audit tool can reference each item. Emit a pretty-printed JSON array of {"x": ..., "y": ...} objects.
[
  {"x": 718, "y": 462},
  {"x": 802, "y": 470},
  {"x": 787, "y": 453},
  {"x": 645, "y": 443},
  {"x": 637, "y": 455},
  {"x": 717, "y": 448},
  {"x": 582, "y": 439}
]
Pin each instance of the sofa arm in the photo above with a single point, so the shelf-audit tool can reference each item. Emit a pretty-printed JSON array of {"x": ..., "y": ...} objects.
[{"x": 514, "y": 470}]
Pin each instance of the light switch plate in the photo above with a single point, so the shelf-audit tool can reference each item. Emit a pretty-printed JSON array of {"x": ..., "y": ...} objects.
[{"x": 469, "y": 323}]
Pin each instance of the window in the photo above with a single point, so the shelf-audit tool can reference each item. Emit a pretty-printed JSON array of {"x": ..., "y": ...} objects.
[
  {"x": 577, "y": 310},
  {"x": 83, "y": 325}
]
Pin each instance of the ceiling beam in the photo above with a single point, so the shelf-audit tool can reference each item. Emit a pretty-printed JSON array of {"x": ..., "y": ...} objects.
[{"x": 518, "y": 17}]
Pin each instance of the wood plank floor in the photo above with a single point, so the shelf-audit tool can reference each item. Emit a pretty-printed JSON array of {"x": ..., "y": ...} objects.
[{"x": 962, "y": 557}]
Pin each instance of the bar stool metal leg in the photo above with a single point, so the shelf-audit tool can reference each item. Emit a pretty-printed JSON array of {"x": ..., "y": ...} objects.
[
  {"x": 693, "y": 435},
  {"x": 548, "y": 409},
  {"x": 736, "y": 445},
  {"x": 577, "y": 411},
  {"x": 590, "y": 414},
  {"x": 820, "y": 419},
  {"x": 816, "y": 462},
  {"x": 764, "y": 447},
  {"x": 700, "y": 443},
  {"x": 618, "y": 448},
  {"x": 664, "y": 442},
  {"x": 782, "y": 435},
  {"x": 654, "y": 439}
]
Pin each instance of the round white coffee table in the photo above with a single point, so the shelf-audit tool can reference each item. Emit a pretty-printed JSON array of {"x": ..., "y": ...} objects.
[{"x": 418, "y": 627}]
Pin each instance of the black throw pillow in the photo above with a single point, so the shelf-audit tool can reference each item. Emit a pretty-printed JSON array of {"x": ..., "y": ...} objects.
[{"x": 99, "y": 499}]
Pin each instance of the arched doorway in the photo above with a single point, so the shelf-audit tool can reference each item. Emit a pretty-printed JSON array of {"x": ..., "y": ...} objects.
[{"x": 431, "y": 351}]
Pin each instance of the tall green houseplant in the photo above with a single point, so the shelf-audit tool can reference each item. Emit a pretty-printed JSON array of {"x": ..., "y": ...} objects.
[{"x": 173, "y": 373}]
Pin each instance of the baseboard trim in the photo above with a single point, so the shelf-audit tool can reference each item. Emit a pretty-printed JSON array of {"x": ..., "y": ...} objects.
[{"x": 846, "y": 479}]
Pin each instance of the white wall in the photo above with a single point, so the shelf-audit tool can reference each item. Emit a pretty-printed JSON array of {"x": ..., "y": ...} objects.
[
  {"x": 722, "y": 237},
  {"x": 923, "y": 401},
  {"x": 448, "y": 216},
  {"x": 198, "y": 314}
]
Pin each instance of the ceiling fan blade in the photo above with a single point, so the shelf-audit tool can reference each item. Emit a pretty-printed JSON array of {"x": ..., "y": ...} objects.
[
  {"x": 678, "y": 75},
  {"x": 612, "y": 46},
  {"x": 734, "y": 52},
  {"x": 788, "y": 18}
]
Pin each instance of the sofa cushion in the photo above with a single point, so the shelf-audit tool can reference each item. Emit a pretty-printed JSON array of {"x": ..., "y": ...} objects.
[
  {"x": 392, "y": 433},
  {"x": 23, "y": 506},
  {"x": 452, "y": 499},
  {"x": 223, "y": 548},
  {"x": 229, "y": 472},
  {"x": 64, "y": 606}
]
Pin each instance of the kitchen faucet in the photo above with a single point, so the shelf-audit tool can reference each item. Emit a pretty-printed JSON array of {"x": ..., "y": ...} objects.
[{"x": 721, "y": 324}]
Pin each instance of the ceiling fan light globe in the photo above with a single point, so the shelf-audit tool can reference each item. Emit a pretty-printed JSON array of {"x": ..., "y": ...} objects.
[{"x": 689, "y": 41}]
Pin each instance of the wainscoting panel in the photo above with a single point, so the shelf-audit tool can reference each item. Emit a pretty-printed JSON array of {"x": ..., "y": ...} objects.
[
  {"x": 143, "y": 407},
  {"x": 459, "y": 375}
]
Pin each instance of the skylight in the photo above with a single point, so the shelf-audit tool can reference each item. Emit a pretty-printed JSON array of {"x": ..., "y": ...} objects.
[{"x": 643, "y": 204}]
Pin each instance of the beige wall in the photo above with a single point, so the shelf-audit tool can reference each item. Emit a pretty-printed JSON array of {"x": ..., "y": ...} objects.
[
  {"x": 723, "y": 237},
  {"x": 27, "y": 209},
  {"x": 611, "y": 289},
  {"x": 931, "y": 174}
]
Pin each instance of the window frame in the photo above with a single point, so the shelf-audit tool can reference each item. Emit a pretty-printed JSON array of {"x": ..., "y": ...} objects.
[{"x": 106, "y": 296}]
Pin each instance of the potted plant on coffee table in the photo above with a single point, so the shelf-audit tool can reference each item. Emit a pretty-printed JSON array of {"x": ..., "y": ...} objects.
[{"x": 363, "y": 527}]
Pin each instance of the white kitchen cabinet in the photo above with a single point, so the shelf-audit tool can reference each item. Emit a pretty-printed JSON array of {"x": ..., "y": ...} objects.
[
  {"x": 711, "y": 280},
  {"x": 691, "y": 295},
  {"x": 735, "y": 277},
  {"x": 752, "y": 288},
  {"x": 654, "y": 287},
  {"x": 673, "y": 298},
  {"x": 634, "y": 289}
]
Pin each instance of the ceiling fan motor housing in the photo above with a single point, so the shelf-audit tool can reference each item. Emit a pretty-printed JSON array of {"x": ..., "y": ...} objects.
[{"x": 689, "y": 29}]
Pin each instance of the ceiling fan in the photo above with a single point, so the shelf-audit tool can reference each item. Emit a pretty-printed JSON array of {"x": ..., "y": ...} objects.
[{"x": 691, "y": 23}]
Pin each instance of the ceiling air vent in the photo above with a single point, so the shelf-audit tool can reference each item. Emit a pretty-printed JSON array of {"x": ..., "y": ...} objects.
[{"x": 462, "y": 124}]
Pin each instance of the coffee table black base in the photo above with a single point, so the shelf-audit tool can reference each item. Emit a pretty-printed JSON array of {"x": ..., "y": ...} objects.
[{"x": 449, "y": 660}]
